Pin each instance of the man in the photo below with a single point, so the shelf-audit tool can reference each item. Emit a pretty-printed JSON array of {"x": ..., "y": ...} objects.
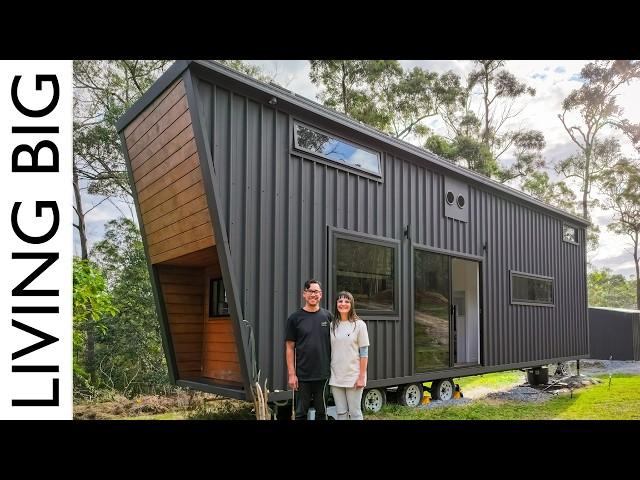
[{"x": 308, "y": 349}]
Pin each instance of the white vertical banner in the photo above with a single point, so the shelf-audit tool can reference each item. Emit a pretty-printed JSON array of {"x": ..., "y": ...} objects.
[{"x": 36, "y": 242}]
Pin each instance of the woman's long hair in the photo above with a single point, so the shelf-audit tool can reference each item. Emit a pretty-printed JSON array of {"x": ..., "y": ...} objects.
[{"x": 352, "y": 315}]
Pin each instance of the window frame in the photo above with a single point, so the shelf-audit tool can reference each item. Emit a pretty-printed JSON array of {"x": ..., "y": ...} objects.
[
  {"x": 213, "y": 305},
  {"x": 532, "y": 276},
  {"x": 338, "y": 233},
  {"x": 575, "y": 228},
  {"x": 316, "y": 155}
]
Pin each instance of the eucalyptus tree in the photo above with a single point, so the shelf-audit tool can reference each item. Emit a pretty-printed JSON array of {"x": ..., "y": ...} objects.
[
  {"x": 621, "y": 187},
  {"x": 478, "y": 137},
  {"x": 382, "y": 94},
  {"x": 589, "y": 114}
]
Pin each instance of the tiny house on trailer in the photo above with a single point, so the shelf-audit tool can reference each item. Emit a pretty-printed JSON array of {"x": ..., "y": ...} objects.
[{"x": 245, "y": 190}]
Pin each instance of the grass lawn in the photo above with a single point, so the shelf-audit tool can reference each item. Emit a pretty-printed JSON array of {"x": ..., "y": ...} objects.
[
  {"x": 492, "y": 381},
  {"x": 595, "y": 402}
]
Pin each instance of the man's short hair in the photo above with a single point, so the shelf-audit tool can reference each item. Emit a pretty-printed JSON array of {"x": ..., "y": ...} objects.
[{"x": 308, "y": 283}]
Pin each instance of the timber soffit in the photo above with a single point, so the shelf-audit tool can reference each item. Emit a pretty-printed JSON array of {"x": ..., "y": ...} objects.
[{"x": 301, "y": 102}]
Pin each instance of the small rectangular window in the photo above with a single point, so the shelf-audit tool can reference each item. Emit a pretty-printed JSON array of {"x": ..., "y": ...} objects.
[
  {"x": 569, "y": 234},
  {"x": 313, "y": 141},
  {"x": 531, "y": 289},
  {"x": 218, "y": 305},
  {"x": 368, "y": 271}
]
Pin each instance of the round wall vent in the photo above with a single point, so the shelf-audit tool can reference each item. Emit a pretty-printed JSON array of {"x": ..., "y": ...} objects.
[
  {"x": 460, "y": 201},
  {"x": 450, "y": 198}
]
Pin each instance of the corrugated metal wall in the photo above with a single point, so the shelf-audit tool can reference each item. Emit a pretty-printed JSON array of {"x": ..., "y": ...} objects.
[
  {"x": 614, "y": 333},
  {"x": 276, "y": 206}
]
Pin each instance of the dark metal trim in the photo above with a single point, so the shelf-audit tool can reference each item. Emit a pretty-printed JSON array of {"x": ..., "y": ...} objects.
[
  {"x": 166, "y": 79},
  {"x": 204, "y": 386},
  {"x": 283, "y": 97},
  {"x": 533, "y": 276},
  {"x": 153, "y": 274},
  {"x": 220, "y": 232},
  {"x": 335, "y": 233}
]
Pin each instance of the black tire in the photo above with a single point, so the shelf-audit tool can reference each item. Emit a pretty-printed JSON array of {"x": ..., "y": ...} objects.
[
  {"x": 442, "y": 389},
  {"x": 373, "y": 399},
  {"x": 410, "y": 395}
]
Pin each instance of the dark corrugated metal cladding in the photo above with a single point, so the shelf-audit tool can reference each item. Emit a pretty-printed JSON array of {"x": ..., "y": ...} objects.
[{"x": 277, "y": 204}]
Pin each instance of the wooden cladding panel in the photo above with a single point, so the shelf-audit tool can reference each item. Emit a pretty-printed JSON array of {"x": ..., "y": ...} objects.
[
  {"x": 185, "y": 249},
  {"x": 183, "y": 295},
  {"x": 134, "y": 130},
  {"x": 220, "y": 355},
  {"x": 168, "y": 179}
]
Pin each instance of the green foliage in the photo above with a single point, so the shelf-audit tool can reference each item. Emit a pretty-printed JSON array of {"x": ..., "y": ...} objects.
[
  {"x": 382, "y": 94},
  {"x": 478, "y": 142},
  {"x": 103, "y": 91},
  {"x": 558, "y": 194},
  {"x": 347, "y": 87},
  {"x": 606, "y": 289},
  {"x": 248, "y": 69},
  {"x": 466, "y": 151},
  {"x": 91, "y": 303},
  {"x": 129, "y": 351},
  {"x": 621, "y": 186},
  {"x": 498, "y": 89}
]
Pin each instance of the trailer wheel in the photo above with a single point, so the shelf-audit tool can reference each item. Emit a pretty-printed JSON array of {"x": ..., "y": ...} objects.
[
  {"x": 373, "y": 400},
  {"x": 442, "y": 389},
  {"x": 410, "y": 394}
]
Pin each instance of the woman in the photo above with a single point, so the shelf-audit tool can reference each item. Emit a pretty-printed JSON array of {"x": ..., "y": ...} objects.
[{"x": 349, "y": 356}]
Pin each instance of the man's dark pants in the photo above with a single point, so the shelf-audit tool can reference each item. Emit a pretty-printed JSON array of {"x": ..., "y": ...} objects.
[{"x": 308, "y": 391}]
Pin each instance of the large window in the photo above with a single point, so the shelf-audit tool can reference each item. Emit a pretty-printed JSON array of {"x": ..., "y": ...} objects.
[
  {"x": 531, "y": 289},
  {"x": 369, "y": 271},
  {"x": 334, "y": 149}
]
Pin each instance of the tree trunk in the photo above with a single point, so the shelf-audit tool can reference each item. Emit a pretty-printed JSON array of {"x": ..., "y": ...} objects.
[
  {"x": 345, "y": 103},
  {"x": 81, "y": 224},
  {"x": 635, "y": 258},
  {"x": 587, "y": 181}
]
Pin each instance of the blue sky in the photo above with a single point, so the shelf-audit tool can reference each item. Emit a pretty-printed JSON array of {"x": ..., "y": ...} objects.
[{"x": 553, "y": 80}]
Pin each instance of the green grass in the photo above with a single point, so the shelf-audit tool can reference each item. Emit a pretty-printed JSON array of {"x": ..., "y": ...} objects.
[
  {"x": 595, "y": 402},
  {"x": 491, "y": 380}
]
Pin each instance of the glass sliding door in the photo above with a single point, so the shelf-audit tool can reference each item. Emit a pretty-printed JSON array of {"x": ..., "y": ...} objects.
[{"x": 431, "y": 310}]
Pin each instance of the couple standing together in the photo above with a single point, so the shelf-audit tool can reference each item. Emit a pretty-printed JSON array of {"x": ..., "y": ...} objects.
[{"x": 322, "y": 349}]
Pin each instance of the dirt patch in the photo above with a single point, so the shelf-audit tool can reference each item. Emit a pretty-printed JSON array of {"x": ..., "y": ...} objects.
[{"x": 119, "y": 406}]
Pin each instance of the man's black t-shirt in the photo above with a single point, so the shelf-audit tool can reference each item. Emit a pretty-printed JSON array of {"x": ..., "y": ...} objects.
[{"x": 310, "y": 332}]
